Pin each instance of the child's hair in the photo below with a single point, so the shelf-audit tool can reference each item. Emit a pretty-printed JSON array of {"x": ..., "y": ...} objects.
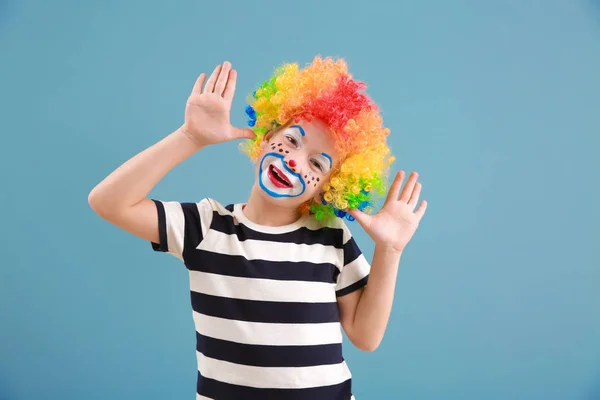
[{"x": 325, "y": 90}]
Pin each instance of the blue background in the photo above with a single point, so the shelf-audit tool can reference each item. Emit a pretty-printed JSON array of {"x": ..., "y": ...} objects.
[{"x": 495, "y": 103}]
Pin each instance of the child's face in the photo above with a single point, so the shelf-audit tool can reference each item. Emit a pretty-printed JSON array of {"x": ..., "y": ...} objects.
[{"x": 296, "y": 160}]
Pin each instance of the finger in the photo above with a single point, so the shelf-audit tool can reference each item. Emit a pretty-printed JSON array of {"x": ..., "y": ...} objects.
[
  {"x": 421, "y": 210},
  {"x": 414, "y": 198},
  {"x": 210, "y": 84},
  {"x": 243, "y": 133},
  {"x": 408, "y": 188},
  {"x": 199, "y": 83},
  {"x": 223, "y": 78},
  {"x": 395, "y": 187},
  {"x": 362, "y": 218},
  {"x": 230, "y": 88}
]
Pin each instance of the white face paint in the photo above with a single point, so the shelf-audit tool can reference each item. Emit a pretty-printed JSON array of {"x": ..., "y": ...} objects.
[
  {"x": 320, "y": 162},
  {"x": 277, "y": 179}
]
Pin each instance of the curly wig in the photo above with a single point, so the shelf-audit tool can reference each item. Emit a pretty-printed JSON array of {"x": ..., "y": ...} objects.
[{"x": 325, "y": 90}]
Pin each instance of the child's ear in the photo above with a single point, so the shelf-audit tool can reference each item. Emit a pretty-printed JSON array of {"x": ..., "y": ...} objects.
[
  {"x": 266, "y": 139},
  {"x": 318, "y": 198},
  {"x": 268, "y": 136}
]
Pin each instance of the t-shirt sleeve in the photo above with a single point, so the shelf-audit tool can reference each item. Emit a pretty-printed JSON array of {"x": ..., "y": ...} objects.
[
  {"x": 355, "y": 270},
  {"x": 181, "y": 226}
]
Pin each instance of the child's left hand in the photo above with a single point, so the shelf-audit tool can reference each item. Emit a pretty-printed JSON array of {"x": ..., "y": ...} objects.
[{"x": 397, "y": 221}]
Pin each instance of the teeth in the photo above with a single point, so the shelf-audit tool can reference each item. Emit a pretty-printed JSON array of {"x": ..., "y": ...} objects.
[{"x": 280, "y": 177}]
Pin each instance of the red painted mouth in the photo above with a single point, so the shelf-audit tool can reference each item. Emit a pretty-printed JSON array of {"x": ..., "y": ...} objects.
[{"x": 278, "y": 178}]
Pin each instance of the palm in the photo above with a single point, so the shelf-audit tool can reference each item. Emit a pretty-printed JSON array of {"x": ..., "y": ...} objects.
[
  {"x": 207, "y": 112},
  {"x": 397, "y": 221}
]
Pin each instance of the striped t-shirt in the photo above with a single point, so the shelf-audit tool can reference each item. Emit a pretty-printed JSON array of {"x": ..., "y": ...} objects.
[{"x": 264, "y": 300}]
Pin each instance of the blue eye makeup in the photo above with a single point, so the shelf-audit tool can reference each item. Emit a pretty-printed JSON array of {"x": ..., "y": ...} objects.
[
  {"x": 328, "y": 159},
  {"x": 322, "y": 162},
  {"x": 294, "y": 136},
  {"x": 300, "y": 129}
]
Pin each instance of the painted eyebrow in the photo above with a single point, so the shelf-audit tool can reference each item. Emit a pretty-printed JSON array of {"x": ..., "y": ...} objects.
[
  {"x": 299, "y": 128},
  {"x": 329, "y": 158}
]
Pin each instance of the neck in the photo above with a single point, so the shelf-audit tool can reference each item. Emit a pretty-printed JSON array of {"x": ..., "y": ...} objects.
[{"x": 261, "y": 211}]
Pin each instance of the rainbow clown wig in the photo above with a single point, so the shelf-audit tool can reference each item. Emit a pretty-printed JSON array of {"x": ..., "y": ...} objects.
[{"x": 325, "y": 90}]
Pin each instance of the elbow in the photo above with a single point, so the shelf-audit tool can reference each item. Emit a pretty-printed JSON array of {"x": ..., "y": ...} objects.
[
  {"x": 97, "y": 203},
  {"x": 363, "y": 338},
  {"x": 94, "y": 201},
  {"x": 367, "y": 344},
  {"x": 369, "y": 347}
]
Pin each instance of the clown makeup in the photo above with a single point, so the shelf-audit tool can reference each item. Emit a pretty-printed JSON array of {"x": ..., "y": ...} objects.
[
  {"x": 277, "y": 179},
  {"x": 294, "y": 135},
  {"x": 291, "y": 165}
]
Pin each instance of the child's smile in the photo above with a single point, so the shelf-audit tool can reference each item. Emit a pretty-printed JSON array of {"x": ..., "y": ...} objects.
[{"x": 277, "y": 179}]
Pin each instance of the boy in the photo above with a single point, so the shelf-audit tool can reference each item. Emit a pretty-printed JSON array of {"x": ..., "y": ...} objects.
[{"x": 274, "y": 280}]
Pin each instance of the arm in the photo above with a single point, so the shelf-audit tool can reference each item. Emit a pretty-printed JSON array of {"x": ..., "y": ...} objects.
[
  {"x": 365, "y": 313},
  {"x": 121, "y": 197}
]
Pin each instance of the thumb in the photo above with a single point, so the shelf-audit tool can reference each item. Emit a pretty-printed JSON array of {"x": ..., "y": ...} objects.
[
  {"x": 362, "y": 218},
  {"x": 243, "y": 133}
]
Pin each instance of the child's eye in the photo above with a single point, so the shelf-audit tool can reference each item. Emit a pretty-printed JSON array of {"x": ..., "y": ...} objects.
[
  {"x": 316, "y": 164},
  {"x": 292, "y": 140}
]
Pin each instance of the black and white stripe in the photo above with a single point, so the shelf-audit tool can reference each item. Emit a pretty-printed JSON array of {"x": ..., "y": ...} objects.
[
  {"x": 264, "y": 301},
  {"x": 209, "y": 389}
]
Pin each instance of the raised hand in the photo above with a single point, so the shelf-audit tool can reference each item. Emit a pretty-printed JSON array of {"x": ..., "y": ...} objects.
[
  {"x": 208, "y": 109},
  {"x": 397, "y": 221}
]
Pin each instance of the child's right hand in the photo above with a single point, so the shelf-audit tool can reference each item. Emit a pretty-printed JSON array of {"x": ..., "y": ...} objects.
[{"x": 207, "y": 112}]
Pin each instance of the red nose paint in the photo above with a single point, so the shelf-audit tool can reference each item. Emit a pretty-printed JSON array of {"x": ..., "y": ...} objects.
[{"x": 292, "y": 163}]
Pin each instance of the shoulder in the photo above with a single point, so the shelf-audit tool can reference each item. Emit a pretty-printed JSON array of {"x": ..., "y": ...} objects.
[
  {"x": 214, "y": 210},
  {"x": 332, "y": 227},
  {"x": 194, "y": 213}
]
